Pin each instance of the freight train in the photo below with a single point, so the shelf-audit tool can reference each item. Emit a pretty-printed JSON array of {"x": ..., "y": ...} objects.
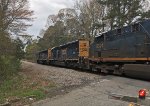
[{"x": 123, "y": 51}]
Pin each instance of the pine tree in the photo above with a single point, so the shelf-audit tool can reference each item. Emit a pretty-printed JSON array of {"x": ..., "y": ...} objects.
[{"x": 124, "y": 12}]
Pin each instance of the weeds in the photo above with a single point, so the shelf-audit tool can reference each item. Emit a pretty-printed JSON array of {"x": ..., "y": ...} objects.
[
  {"x": 15, "y": 88},
  {"x": 9, "y": 66}
]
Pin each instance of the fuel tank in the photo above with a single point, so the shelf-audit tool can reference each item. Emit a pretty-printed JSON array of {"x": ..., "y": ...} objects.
[{"x": 137, "y": 71}]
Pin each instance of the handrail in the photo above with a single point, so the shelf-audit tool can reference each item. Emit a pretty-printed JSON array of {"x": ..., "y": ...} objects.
[{"x": 145, "y": 30}]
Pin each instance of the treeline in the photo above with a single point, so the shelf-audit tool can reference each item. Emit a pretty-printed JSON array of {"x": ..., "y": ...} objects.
[
  {"x": 13, "y": 17},
  {"x": 87, "y": 20}
]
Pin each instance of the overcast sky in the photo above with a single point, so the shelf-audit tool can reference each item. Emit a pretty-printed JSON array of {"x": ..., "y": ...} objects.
[{"x": 42, "y": 9}]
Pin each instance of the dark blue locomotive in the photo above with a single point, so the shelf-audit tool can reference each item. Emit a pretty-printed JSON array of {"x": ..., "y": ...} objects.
[
  {"x": 121, "y": 51},
  {"x": 128, "y": 42},
  {"x": 65, "y": 54}
]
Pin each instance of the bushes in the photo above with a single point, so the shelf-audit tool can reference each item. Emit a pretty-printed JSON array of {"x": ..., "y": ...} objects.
[
  {"x": 31, "y": 51},
  {"x": 31, "y": 57},
  {"x": 9, "y": 66},
  {"x": 11, "y": 52}
]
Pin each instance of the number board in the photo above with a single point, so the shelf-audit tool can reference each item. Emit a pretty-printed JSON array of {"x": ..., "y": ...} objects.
[
  {"x": 64, "y": 51},
  {"x": 83, "y": 48},
  {"x": 49, "y": 53}
]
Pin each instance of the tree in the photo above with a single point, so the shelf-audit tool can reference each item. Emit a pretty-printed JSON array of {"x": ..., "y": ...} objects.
[
  {"x": 54, "y": 36},
  {"x": 19, "y": 49},
  {"x": 14, "y": 18},
  {"x": 123, "y": 12},
  {"x": 90, "y": 18},
  {"x": 31, "y": 51},
  {"x": 14, "y": 15},
  {"x": 7, "y": 46}
]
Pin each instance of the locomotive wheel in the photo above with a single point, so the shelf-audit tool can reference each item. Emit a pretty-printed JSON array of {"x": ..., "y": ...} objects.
[
  {"x": 118, "y": 72},
  {"x": 104, "y": 71},
  {"x": 94, "y": 69}
]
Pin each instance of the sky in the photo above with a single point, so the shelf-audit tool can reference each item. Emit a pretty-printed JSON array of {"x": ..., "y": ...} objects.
[{"x": 42, "y": 9}]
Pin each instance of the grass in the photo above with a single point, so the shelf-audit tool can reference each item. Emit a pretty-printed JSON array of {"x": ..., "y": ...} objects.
[
  {"x": 15, "y": 87},
  {"x": 38, "y": 94}
]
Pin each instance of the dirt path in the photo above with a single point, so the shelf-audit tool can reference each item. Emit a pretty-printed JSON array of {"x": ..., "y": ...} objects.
[
  {"x": 77, "y": 88},
  {"x": 64, "y": 79}
]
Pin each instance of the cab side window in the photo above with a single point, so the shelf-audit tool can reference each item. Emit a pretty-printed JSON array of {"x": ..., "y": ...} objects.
[
  {"x": 119, "y": 31},
  {"x": 135, "y": 27}
]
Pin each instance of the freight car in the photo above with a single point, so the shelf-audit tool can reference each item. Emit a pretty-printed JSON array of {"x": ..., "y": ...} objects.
[{"x": 121, "y": 51}]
